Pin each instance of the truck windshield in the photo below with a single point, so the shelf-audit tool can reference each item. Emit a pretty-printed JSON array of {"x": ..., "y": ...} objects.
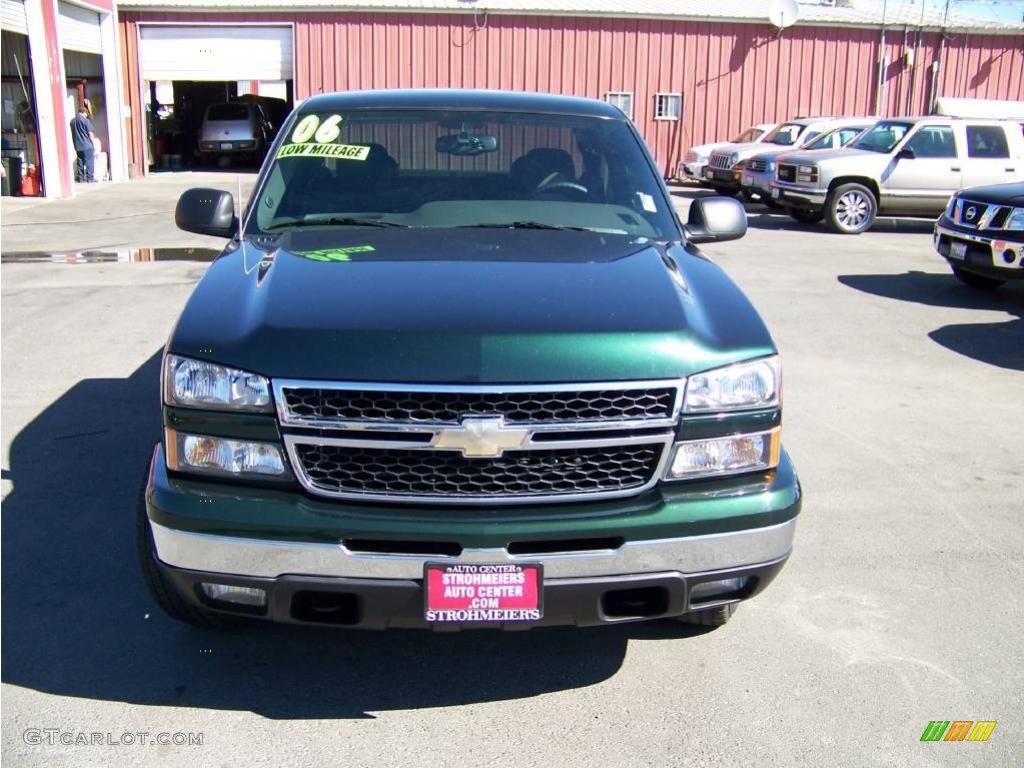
[
  {"x": 455, "y": 168},
  {"x": 786, "y": 134},
  {"x": 883, "y": 137}
]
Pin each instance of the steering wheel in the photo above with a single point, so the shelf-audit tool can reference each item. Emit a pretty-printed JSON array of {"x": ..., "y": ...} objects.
[{"x": 576, "y": 190}]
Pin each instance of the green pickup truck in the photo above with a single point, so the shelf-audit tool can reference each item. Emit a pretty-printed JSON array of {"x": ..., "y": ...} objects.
[{"x": 461, "y": 365}]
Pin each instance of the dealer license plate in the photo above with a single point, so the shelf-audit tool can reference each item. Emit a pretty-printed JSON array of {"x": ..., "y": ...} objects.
[
  {"x": 958, "y": 250},
  {"x": 776, "y": 193},
  {"x": 225, "y": 145},
  {"x": 473, "y": 593}
]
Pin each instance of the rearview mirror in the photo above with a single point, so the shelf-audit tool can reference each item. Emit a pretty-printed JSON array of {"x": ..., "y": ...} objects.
[
  {"x": 465, "y": 144},
  {"x": 714, "y": 219},
  {"x": 907, "y": 153},
  {"x": 206, "y": 212}
]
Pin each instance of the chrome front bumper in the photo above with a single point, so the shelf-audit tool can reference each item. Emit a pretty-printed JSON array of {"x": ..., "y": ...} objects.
[
  {"x": 271, "y": 559},
  {"x": 1005, "y": 254},
  {"x": 756, "y": 182},
  {"x": 794, "y": 194}
]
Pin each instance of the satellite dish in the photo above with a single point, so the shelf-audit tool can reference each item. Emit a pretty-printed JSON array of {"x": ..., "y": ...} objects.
[{"x": 783, "y": 13}]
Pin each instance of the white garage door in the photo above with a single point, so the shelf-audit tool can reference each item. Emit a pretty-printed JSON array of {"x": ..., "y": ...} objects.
[
  {"x": 79, "y": 28},
  {"x": 212, "y": 52}
]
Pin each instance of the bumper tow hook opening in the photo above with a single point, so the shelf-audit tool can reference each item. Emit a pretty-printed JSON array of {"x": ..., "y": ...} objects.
[
  {"x": 326, "y": 607},
  {"x": 635, "y": 603}
]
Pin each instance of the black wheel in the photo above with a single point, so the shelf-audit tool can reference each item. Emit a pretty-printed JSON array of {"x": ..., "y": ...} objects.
[
  {"x": 726, "y": 191},
  {"x": 806, "y": 217},
  {"x": 710, "y": 617},
  {"x": 164, "y": 594},
  {"x": 770, "y": 203},
  {"x": 851, "y": 209},
  {"x": 977, "y": 281},
  {"x": 747, "y": 195}
]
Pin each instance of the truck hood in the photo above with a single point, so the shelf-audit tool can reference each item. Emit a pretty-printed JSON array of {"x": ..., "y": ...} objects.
[
  {"x": 703, "y": 150},
  {"x": 748, "y": 150},
  {"x": 840, "y": 158},
  {"x": 467, "y": 306}
]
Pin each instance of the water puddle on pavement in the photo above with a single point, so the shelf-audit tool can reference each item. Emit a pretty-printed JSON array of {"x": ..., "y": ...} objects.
[{"x": 100, "y": 256}]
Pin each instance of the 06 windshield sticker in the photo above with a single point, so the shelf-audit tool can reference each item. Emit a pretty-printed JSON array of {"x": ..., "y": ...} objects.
[
  {"x": 335, "y": 254},
  {"x": 313, "y": 138}
]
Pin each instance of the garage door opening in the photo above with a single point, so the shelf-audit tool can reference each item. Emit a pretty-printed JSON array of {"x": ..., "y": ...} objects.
[{"x": 214, "y": 95}]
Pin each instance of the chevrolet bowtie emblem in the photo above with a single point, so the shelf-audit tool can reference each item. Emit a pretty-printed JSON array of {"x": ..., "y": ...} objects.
[{"x": 482, "y": 438}]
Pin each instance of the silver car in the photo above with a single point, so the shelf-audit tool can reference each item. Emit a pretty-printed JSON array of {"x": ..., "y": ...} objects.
[{"x": 234, "y": 127}]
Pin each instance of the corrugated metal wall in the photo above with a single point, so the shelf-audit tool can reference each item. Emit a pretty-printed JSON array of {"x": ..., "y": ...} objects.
[{"x": 730, "y": 75}]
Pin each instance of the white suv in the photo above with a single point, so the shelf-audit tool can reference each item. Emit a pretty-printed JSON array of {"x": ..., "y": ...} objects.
[{"x": 905, "y": 165}]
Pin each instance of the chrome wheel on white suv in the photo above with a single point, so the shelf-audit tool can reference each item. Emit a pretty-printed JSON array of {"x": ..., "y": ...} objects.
[{"x": 851, "y": 209}]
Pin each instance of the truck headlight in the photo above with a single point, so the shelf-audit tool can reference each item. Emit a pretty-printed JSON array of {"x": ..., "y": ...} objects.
[
  {"x": 743, "y": 386},
  {"x": 807, "y": 173},
  {"x": 199, "y": 384},
  {"x": 1015, "y": 220},
  {"x": 224, "y": 457},
  {"x": 719, "y": 456}
]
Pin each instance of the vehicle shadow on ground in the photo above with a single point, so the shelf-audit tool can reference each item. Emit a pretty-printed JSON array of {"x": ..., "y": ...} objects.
[
  {"x": 78, "y": 621},
  {"x": 1000, "y": 344}
]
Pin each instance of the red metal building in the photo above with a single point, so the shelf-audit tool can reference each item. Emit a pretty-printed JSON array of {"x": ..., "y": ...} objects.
[{"x": 689, "y": 72}]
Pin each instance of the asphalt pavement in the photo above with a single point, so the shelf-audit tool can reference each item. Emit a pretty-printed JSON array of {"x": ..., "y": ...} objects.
[{"x": 900, "y": 604}]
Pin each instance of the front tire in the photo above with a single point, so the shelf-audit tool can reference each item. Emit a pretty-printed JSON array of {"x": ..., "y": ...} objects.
[
  {"x": 165, "y": 594},
  {"x": 851, "y": 209},
  {"x": 977, "y": 281},
  {"x": 726, "y": 191}
]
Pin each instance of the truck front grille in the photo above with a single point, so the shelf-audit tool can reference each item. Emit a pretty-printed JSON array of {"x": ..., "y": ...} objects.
[
  {"x": 443, "y": 475},
  {"x": 486, "y": 444},
  {"x": 315, "y": 405},
  {"x": 720, "y": 161},
  {"x": 980, "y": 215},
  {"x": 757, "y": 165}
]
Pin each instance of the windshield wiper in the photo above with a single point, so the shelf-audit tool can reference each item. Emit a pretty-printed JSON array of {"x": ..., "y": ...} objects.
[
  {"x": 335, "y": 221},
  {"x": 523, "y": 225}
]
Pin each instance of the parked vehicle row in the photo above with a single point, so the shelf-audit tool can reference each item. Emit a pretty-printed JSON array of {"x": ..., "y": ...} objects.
[
  {"x": 696, "y": 160},
  {"x": 848, "y": 171},
  {"x": 727, "y": 167}
]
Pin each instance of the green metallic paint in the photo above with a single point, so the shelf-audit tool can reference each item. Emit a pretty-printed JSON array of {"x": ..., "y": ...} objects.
[
  {"x": 526, "y": 307},
  {"x": 245, "y": 426},
  {"x": 669, "y": 511},
  {"x": 719, "y": 424}
]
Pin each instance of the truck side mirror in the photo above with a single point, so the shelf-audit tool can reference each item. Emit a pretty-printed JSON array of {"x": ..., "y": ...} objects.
[
  {"x": 714, "y": 219},
  {"x": 206, "y": 212},
  {"x": 907, "y": 153}
]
